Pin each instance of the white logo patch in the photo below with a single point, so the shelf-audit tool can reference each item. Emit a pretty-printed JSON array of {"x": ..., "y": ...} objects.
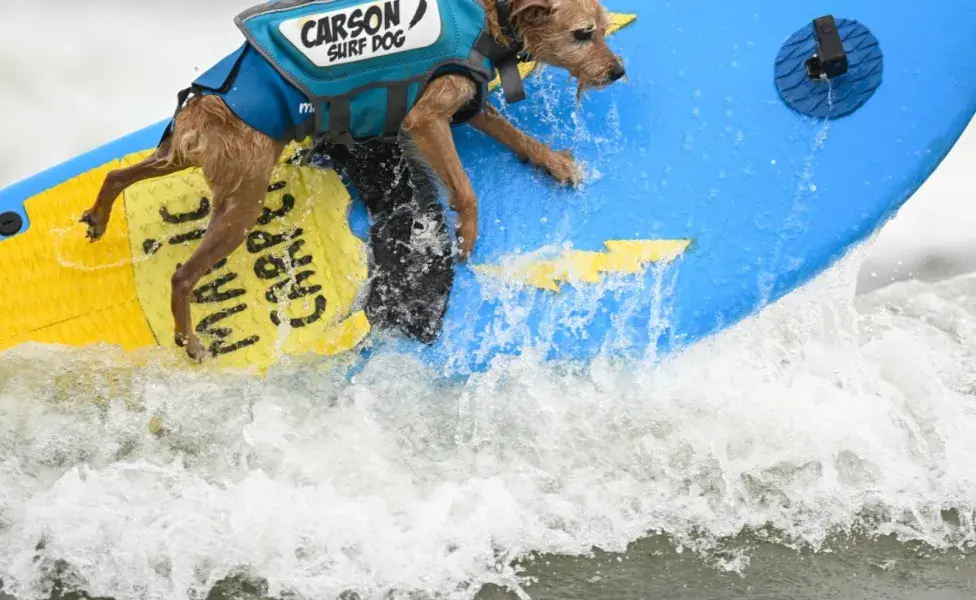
[{"x": 364, "y": 31}]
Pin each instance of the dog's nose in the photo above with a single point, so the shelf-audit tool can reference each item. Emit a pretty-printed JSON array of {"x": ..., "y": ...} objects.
[{"x": 617, "y": 72}]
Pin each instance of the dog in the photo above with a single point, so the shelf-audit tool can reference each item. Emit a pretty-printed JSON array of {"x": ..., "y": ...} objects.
[{"x": 237, "y": 160}]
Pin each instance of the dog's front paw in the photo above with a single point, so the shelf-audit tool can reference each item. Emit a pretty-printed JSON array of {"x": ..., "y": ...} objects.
[
  {"x": 96, "y": 224},
  {"x": 563, "y": 168},
  {"x": 467, "y": 232}
]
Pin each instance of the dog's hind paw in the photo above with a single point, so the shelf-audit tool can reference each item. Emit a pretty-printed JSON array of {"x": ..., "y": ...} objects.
[
  {"x": 563, "y": 168},
  {"x": 96, "y": 225},
  {"x": 194, "y": 349}
]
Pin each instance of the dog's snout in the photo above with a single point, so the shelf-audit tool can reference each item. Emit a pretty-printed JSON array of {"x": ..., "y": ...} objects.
[{"x": 617, "y": 72}]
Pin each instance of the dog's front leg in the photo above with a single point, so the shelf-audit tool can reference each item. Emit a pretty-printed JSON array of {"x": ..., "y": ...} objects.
[
  {"x": 427, "y": 130},
  {"x": 560, "y": 165}
]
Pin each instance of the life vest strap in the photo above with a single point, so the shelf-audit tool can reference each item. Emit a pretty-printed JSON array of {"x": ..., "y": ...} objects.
[
  {"x": 505, "y": 60},
  {"x": 340, "y": 115},
  {"x": 396, "y": 108}
]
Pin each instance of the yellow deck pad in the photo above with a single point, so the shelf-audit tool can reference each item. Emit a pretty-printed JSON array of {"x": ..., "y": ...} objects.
[
  {"x": 289, "y": 289},
  {"x": 65, "y": 289}
]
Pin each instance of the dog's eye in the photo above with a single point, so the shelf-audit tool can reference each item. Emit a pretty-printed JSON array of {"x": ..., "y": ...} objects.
[{"x": 584, "y": 35}]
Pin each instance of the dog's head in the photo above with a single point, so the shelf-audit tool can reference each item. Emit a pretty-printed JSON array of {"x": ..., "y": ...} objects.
[{"x": 570, "y": 34}]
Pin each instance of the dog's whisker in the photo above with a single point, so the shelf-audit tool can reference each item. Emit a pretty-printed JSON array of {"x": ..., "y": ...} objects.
[{"x": 579, "y": 93}]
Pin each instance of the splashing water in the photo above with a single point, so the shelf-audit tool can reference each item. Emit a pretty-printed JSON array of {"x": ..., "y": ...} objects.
[{"x": 824, "y": 415}]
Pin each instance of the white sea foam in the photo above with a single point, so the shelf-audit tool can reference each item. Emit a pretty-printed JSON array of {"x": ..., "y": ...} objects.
[{"x": 825, "y": 414}]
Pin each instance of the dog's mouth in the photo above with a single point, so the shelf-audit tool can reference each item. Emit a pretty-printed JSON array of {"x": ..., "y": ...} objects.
[
  {"x": 584, "y": 85},
  {"x": 602, "y": 81}
]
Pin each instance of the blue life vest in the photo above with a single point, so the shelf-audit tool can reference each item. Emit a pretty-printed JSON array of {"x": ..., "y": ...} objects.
[{"x": 351, "y": 70}]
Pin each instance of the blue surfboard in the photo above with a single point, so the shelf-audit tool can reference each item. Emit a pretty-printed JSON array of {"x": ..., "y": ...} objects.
[
  {"x": 720, "y": 176},
  {"x": 718, "y": 138}
]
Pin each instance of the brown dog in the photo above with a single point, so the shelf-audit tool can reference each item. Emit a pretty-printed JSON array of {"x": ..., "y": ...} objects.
[{"x": 237, "y": 161}]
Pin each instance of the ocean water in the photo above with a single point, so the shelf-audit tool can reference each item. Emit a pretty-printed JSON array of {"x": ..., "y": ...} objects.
[{"x": 822, "y": 449}]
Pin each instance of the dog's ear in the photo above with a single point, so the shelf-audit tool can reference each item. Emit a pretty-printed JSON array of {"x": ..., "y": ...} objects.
[{"x": 530, "y": 8}]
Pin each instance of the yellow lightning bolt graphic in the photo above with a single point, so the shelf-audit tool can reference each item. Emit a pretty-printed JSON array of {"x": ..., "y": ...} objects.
[
  {"x": 617, "y": 22},
  {"x": 621, "y": 256}
]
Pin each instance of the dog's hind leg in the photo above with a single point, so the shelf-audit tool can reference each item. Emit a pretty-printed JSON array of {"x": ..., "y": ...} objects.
[
  {"x": 239, "y": 182},
  {"x": 161, "y": 162},
  {"x": 231, "y": 220}
]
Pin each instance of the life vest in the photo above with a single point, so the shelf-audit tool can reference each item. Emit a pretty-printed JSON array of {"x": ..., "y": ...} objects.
[{"x": 351, "y": 70}]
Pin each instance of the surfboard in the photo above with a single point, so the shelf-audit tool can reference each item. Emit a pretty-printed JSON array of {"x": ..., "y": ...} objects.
[{"x": 719, "y": 177}]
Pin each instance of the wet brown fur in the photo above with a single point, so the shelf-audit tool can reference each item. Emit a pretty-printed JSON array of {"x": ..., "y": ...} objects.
[{"x": 237, "y": 161}]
